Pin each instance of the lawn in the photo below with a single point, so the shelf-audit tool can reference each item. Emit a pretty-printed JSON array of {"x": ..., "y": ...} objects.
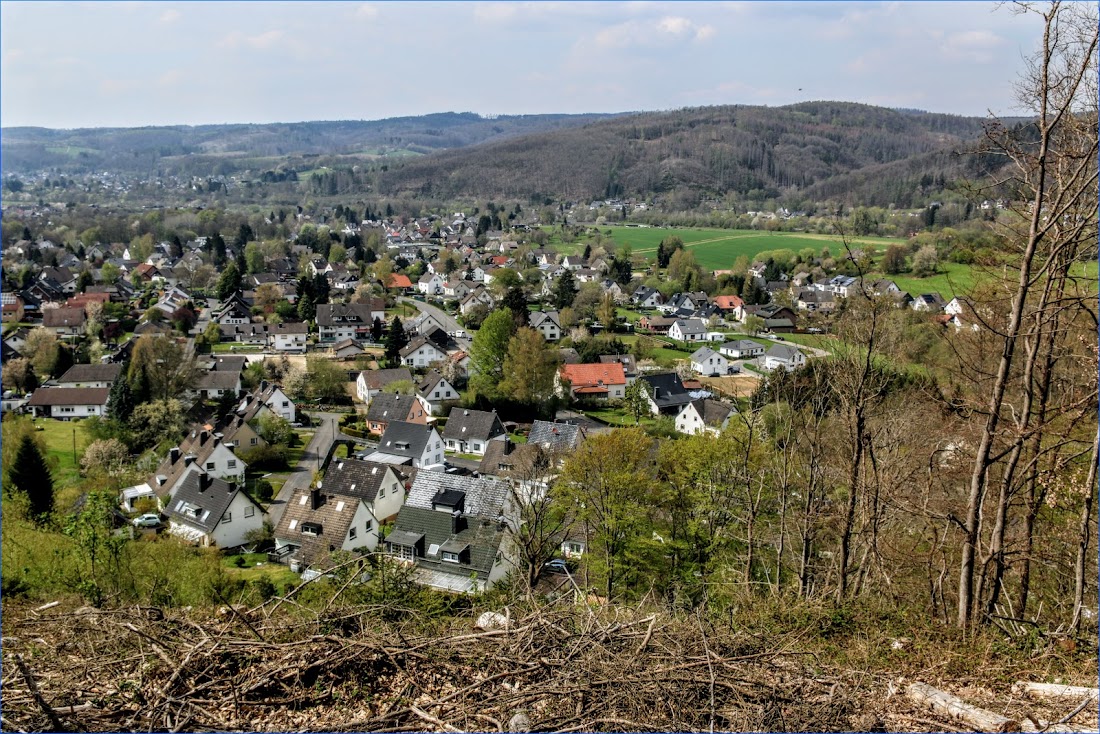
[
  {"x": 257, "y": 566},
  {"x": 233, "y": 347},
  {"x": 59, "y": 442},
  {"x": 617, "y": 417},
  {"x": 716, "y": 249}
]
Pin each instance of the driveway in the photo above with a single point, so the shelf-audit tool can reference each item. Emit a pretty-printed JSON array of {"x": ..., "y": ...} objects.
[
  {"x": 448, "y": 321},
  {"x": 302, "y": 474}
]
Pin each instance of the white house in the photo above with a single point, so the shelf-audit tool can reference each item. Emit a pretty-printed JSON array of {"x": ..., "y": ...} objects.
[
  {"x": 288, "y": 337},
  {"x": 688, "y": 330},
  {"x": 211, "y": 512},
  {"x": 703, "y": 416},
  {"x": 430, "y": 284},
  {"x": 742, "y": 349},
  {"x": 420, "y": 353},
  {"x": 409, "y": 443},
  {"x": 546, "y": 323},
  {"x": 434, "y": 391},
  {"x": 708, "y": 362},
  {"x": 371, "y": 382},
  {"x": 69, "y": 402},
  {"x": 781, "y": 356}
]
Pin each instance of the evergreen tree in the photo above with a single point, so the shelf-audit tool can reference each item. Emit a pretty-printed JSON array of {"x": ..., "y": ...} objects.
[
  {"x": 30, "y": 475},
  {"x": 516, "y": 302},
  {"x": 376, "y": 330},
  {"x": 229, "y": 282},
  {"x": 320, "y": 288},
  {"x": 120, "y": 401},
  {"x": 565, "y": 290},
  {"x": 307, "y": 309},
  {"x": 396, "y": 340}
]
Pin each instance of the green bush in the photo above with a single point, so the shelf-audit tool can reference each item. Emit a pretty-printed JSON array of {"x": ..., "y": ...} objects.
[{"x": 268, "y": 458}]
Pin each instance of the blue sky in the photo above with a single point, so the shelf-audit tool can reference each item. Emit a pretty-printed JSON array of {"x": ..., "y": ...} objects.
[{"x": 95, "y": 64}]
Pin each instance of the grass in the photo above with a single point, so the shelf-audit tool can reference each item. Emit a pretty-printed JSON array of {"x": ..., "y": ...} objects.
[
  {"x": 229, "y": 347},
  {"x": 617, "y": 417},
  {"x": 717, "y": 249},
  {"x": 59, "y": 452},
  {"x": 278, "y": 575}
]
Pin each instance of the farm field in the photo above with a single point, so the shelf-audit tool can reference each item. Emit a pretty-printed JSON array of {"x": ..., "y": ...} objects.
[{"x": 716, "y": 249}]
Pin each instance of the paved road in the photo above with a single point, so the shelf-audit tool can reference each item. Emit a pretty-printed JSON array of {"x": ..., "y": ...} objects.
[
  {"x": 448, "y": 321},
  {"x": 312, "y": 457}
]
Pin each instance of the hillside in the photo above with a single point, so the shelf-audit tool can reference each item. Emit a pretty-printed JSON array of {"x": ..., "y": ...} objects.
[
  {"x": 757, "y": 152},
  {"x": 149, "y": 149}
]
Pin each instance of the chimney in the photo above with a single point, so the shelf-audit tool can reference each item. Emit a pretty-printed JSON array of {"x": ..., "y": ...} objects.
[
  {"x": 203, "y": 435},
  {"x": 263, "y": 385},
  {"x": 458, "y": 522},
  {"x": 189, "y": 460},
  {"x": 656, "y": 393},
  {"x": 174, "y": 454},
  {"x": 204, "y": 482},
  {"x": 316, "y": 499}
]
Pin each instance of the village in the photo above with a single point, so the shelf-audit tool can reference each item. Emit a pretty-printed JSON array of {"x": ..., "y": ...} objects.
[{"x": 398, "y": 460}]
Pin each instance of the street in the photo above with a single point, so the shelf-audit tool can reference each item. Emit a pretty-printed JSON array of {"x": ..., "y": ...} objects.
[
  {"x": 448, "y": 321},
  {"x": 302, "y": 475}
]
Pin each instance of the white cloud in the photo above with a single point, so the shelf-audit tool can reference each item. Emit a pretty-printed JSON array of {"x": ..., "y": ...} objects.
[
  {"x": 973, "y": 46},
  {"x": 170, "y": 16},
  {"x": 494, "y": 12},
  {"x": 265, "y": 40},
  {"x": 660, "y": 32},
  {"x": 366, "y": 11}
]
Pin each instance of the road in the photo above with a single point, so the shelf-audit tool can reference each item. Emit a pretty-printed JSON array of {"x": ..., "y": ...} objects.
[
  {"x": 302, "y": 475},
  {"x": 448, "y": 321}
]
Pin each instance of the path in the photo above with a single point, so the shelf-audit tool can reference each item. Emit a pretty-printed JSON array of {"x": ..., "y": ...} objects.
[{"x": 301, "y": 476}]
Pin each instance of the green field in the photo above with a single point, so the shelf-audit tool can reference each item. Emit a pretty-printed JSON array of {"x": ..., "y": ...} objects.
[
  {"x": 59, "y": 448},
  {"x": 716, "y": 249}
]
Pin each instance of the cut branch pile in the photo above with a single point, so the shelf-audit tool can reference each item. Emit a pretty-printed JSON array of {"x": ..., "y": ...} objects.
[{"x": 558, "y": 667}]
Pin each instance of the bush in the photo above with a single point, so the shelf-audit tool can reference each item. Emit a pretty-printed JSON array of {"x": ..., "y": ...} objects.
[
  {"x": 262, "y": 490},
  {"x": 269, "y": 458}
]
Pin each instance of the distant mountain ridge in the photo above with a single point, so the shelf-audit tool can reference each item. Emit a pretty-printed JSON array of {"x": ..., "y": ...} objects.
[{"x": 813, "y": 150}]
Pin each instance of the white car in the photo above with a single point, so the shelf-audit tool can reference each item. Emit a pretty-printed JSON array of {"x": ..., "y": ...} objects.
[{"x": 148, "y": 520}]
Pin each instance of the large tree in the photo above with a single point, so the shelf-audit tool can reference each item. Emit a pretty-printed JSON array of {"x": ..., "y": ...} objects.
[
  {"x": 30, "y": 477},
  {"x": 396, "y": 340},
  {"x": 166, "y": 364},
  {"x": 529, "y": 368},
  {"x": 488, "y": 350},
  {"x": 565, "y": 290}
]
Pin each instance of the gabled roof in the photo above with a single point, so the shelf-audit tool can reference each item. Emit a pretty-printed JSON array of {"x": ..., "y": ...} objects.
[
  {"x": 48, "y": 396},
  {"x": 390, "y": 407},
  {"x": 62, "y": 317},
  {"x": 704, "y": 353},
  {"x": 90, "y": 373},
  {"x": 405, "y": 439},
  {"x": 555, "y": 436},
  {"x": 630, "y": 365},
  {"x": 201, "y": 500},
  {"x": 378, "y": 379},
  {"x": 592, "y": 375},
  {"x": 666, "y": 390},
  {"x": 431, "y": 379},
  {"x": 464, "y": 424},
  {"x": 421, "y": 341},
  {"x": 691, "y": 326},
  {"x": 359, "y": 479},
  {"x": 713, "y": 412},
  {"x": 330, "y": 314},
  {"x": 782, "y": 351}
]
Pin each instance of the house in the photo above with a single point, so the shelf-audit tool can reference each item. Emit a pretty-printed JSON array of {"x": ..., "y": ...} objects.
[
  {"x": 12, "y": 307},
  {"x": 238, "y": 435},
  {"x": 704, "y": 416},
  {"x": 208, "y": 451},
  {"x": 592, "y": 381},
  {"x": 546, "y": 323},
  {"x": 434, "y": 391},
  {"x": 345, "y": 511},
  {"x": 233, "y": 310},
  {"x": 476, "y": 296},
  {"x": 777, "y": 319},
  {"x": 629, "y": 363},
  {"x": 656, "y": 324},
  {"x": 455, "y": 531},
  {"x": 742, "y": 349},
  {"x": 267, "y": 396},
  {"x": 212, "y": 384},
  {"x": 64, "y": 321},
  {"x": 421, "y": 352},
  {"x": 68, "y": 402},
  {"x": 470, "y": 431},
  {"x": 709, "y": 363},
  {"x": 731, "y": 306},
  {"x": 399, "y": 282},
  {"x": 172, "y": 299},
  {"x": 61, "y": 276},
  {"x": 409, "y": 443},
  {"x": 688, "y": 330},
  {"x": 346, "y": 349},
  {"x": 289, "y": 337},
  {"x": 90, "y": 375},
  {"x": 555, "y": 438},
  {"x": 371, "y": 382},
  {"x": 431, "y": 284},
  {"x": 386, "y": 407},
  {"x": 813, "y": 300},
  {"x": 213, "y": 513},
  {"x": 337, "y": 322},
  {"x": 666, "y": 393},
  {"x": 930, "y": 302},
  {"x": 780, "y": 356}
]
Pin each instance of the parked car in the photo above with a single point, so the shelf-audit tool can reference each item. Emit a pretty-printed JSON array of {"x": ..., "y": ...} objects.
[
  {"x": 148, "y": 520},
  {"x": 558, "y": 565}
]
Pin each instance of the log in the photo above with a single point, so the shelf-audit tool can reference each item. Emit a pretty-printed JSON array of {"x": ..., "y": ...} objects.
[
  {"x": 954, "y": 707},
  {"x": 1053, "y": 690}
]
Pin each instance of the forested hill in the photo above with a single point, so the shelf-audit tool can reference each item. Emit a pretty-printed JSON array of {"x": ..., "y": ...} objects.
[
  {"x": 753, "y": 151},
  {"x": 146, "y": 149}
]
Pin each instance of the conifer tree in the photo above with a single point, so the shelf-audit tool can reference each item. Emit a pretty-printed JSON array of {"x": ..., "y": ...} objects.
[{"x": 30, "y": 475}]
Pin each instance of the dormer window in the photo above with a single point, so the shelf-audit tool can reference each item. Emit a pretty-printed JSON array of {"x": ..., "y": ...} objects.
[{"x": 311, "y": 528}]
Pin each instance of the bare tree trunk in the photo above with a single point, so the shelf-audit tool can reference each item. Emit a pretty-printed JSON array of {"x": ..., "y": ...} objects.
[{"x": 1084, "y": 532}]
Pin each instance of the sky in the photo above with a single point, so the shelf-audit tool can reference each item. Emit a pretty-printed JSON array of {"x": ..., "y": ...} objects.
[{"x": 131, "y": 64}]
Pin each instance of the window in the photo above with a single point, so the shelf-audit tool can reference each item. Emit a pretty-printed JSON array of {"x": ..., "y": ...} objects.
[
  {"x": 232, "y": 463},
  {"x": 404, "y": 552},
  {"x": 286, "y": 403},
  {"x": 311, "y": 528},
  {"x": 227, "y": 517},
  {"x": 369, "y": 525},
  {"x": 210, "y": 466},
  {"x": 253, "y": 441},
  {"x": 381, "y": 492},
  {"x": 352, "y": 533},
  {"x": 249, "y": 511},
  {"x": 450, "y": 557}
]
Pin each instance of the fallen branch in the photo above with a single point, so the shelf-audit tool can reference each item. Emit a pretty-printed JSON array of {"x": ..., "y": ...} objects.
[{"x": 953, "y": 706}]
